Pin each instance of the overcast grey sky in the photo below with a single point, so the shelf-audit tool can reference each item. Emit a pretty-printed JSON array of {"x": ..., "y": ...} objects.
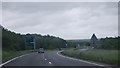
[
  {"x": 60, "y": 0},
  {"x": 75, "y": 20}
]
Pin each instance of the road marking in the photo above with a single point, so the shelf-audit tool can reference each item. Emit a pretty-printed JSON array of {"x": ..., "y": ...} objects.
[
  {"x": 79, "y": 60},
  {"x": 43, "y": 56},
  {"x": 50, "y": 63},
  {"x": 45, "y": 59},
  {"x": 12, "y": 59}
]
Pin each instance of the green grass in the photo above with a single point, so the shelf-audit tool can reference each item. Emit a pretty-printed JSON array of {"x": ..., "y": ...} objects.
[
  {"x": 7, "y": 55},
  {"x": 0, "y": 53},
  {"x": 0, "y": 56},
  {"x": 107, "y": 56}
]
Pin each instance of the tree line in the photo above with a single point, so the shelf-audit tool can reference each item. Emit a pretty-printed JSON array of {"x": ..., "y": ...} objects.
[
  {"x": 17, "y": 41},
  {"x": 103, "y": 43},
  {"x": 75, "y": 43},
  {"x": 110, "y": 43}
]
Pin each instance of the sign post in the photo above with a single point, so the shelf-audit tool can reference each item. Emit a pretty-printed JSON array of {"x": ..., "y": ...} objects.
[
  {"x": 33, "y": 43},
  {"x": 30, "y": 41}
]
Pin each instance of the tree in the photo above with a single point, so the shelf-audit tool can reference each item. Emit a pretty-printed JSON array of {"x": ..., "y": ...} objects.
[
  {"x": 14, "y": 41},
  {"x": 110, "y": 42}
]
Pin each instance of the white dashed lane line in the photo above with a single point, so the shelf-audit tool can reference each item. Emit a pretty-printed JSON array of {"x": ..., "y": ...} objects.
[
  {"x": 50, "y": 63},
  {"x": 45, "y": 59}
]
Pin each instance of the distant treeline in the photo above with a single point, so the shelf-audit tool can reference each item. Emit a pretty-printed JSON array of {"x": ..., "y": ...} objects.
[
  {"x": 103, "y": 43},
  {"x": 12, "y": 41},
  {"x": 75, "y": 43},
  {"x": 15, "y": 41},
  {"x": 110, "y": 42}
]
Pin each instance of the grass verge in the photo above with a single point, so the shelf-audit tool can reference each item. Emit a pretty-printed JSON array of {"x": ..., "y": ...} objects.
[
  {"x": 7, "y": 55},
  {"x": 106, "y": 56},
  {"x": 0, "y": 56}
]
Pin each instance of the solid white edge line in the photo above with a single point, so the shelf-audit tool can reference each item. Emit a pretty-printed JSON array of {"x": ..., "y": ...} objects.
[
  {"x": 12, "y": 60},
  {"x": 79, "y": 60}
]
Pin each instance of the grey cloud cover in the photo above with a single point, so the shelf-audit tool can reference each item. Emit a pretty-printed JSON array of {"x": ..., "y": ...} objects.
[
  {"x": 67, "y": 20},
  {"x": 60, "y": 0}
]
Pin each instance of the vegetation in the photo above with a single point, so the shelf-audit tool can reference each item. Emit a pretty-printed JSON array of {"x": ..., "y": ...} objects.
[
  {"x": 107, "y": 56},
  {"x": 12, "y": 41},
  {"x": 49, "y": 42},
  {"x": 0, "y": 56},
  {"x": 7, "y": 55},
  {"x": 110, "y": 43},
  {"x": 107, "y": 50},
  {"x": 75, "y": 43},
  {"x": 14, "y": 44},
  {"x": 103, "y": 43}
]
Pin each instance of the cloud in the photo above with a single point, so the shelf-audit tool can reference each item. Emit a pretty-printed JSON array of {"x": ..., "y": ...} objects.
[
  {"x": 66, "y": 20},
  {"x": 0, "y": 13},
  {"x": 60, "y": 0}
]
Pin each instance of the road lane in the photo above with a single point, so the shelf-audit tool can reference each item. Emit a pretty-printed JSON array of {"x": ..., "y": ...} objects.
[
  {"x": 58, "y": 60},
  {"x": 33, "y": 59}
]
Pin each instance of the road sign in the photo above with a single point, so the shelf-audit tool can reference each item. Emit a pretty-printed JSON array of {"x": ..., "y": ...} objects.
[{"x": 30, "y": 41}]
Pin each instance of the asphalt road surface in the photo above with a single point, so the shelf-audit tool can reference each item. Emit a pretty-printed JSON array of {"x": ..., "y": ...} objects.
[{"x": 49, "y": 58}]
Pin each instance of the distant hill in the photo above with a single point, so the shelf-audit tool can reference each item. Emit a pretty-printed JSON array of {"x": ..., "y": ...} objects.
[{"x": 78, "y": 40}]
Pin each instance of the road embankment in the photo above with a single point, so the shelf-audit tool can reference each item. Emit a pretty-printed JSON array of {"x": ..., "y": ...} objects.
[
  {"x": 105, "y": 56},
  {"x": 7, "y": 55}
]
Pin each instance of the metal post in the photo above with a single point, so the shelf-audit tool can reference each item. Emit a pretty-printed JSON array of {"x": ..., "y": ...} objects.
[
  {"x": 66, "y": 44},
  {"x": 34, "y": 43}
]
